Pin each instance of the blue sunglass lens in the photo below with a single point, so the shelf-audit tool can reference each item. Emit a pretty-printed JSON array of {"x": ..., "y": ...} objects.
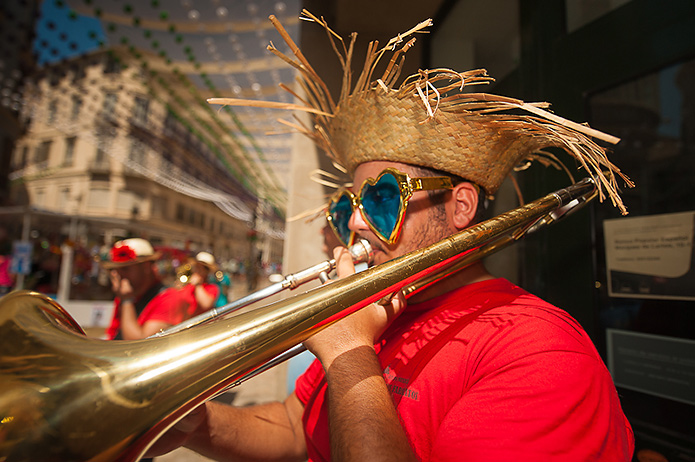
[
  {"x": 340, "y": 212},
  {"x": 382, "y": 204}
]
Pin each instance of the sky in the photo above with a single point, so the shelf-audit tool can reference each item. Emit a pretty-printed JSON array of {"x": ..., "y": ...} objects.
[
  {"x": 61, "y": 33},
  {"x": 211, "y": 36}
]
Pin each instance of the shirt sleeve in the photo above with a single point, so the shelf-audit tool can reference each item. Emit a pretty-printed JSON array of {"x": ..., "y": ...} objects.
[
  {"x": 169, "y": 306},
  {"x": 308, "y": 381},
  {"x": 212, "y": 289},
  {"x": 115, "y": 325}
]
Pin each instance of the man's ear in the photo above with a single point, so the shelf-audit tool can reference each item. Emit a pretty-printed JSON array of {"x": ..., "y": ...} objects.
[{"x": 465, "y": 204}]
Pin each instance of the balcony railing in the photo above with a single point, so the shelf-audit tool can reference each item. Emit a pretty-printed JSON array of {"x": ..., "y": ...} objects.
[{"x": 100, "y": 166}]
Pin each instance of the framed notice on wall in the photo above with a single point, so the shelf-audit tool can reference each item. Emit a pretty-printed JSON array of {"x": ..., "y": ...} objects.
[
  {"x": 654, "y": 364},
  {"x": 651, "y": 256}
]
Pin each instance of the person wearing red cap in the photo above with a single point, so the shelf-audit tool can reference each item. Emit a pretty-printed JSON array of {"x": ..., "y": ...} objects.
[{"x": 143, "y": 305}]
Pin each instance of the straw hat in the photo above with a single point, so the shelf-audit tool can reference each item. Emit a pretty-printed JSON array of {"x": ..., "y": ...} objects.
[
  {"x": 431, "y": 121},
  {"x": 130, "y": 252}
]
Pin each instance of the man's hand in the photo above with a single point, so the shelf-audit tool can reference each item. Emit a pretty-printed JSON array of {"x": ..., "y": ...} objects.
[
  {"x": 359, "y": 329},
  {"x": 179, "y": 433},
  {"x": 356, "y": 386},
  {"x": 121, "y": 286},
  {"x": 196, "y": 279}
]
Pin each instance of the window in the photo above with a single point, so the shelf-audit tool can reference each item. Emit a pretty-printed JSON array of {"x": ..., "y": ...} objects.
[
  {"x": 76, "y": 107},
  {"x": 126, "y": 200},
  {"x": 137, "y": 152},
  {"x": 109, "y": 109},
  {"x": 19, "y": 161},
  {"x": 159, "y": 208},
  {"x": 582, "y": 12},
  {"x": 69, "y": 151},
  {"x": 104, "y": 142},
  {"x": 166, "y": 161},
  {"x": 54, "y": 78},
  {"x": 100, "y": 156},
  {"x": 140, "y": 108},
  {"x": 52, "y": 111},
  {"x": 112, "y": 65},
  {"x": 79, "y": 73},
  {"x": 40, "y": 200},
  {"x": 101, "y": 161},
  {"x": 99, "y": 198},
  {"x": 180, "y": 212},
  {"x": 42, "y": 152},
  {"x": 170, "y": 125},
  {"x": 64, "y": 197},
  {"x": 643, "y": 299}
]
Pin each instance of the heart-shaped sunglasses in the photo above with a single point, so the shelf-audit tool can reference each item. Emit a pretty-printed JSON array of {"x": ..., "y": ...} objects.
[{"x": 382, "y": 203}]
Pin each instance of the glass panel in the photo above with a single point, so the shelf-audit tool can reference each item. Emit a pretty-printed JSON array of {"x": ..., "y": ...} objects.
[{"x": 645, "y": 267}]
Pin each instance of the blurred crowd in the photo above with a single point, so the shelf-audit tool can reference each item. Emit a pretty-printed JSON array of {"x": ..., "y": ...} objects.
[{"x": 91, "y": 277}]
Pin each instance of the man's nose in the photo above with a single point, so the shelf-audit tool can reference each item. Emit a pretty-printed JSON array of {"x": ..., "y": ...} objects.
[{"x": 357, "y": 223}]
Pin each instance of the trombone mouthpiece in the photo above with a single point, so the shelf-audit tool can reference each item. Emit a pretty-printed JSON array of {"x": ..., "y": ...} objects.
[{"x": 361, "y": 252}]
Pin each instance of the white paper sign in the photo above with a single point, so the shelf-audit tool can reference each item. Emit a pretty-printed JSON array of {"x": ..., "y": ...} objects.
[{"x": 646, "y": 256}]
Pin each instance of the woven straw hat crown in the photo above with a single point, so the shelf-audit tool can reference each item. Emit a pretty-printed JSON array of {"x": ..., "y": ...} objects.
[
  {"x": 430, "y": 120},
  {"x": 472, "y": 147}
]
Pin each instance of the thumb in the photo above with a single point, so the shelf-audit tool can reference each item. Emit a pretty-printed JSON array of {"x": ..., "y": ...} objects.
[
  {"x": 192, "y": 420},
  {"x": 398, "y": 302},
  {"x": 393, "y": 305},
  {"x": 344, "y": 265}
]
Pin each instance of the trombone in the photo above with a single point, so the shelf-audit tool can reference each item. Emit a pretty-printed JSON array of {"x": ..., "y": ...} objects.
[
  {"x": 361, "y": 252},
  {"x": 64, "y": 396}
]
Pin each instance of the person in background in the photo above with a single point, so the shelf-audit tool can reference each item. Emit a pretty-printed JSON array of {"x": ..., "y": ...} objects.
[
  {"x": 6, "y": 279},
  {"x": 199, "y": 293},
  {"x": 224, "y": 283},
  {"x": 143, "y": 306}
]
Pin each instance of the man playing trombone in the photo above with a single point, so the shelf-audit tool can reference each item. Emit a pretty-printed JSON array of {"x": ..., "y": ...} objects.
[{"x": 470, "y": 368}]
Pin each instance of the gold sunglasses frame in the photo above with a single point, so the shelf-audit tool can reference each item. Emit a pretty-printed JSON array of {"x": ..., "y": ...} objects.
[{"x": 407, "y": 185}]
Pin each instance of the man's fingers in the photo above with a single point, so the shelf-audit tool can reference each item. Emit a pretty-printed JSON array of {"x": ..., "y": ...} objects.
[
  {"x": 392, "y": 305},
  {"x": 343, "y": 259},
  {"x": 192, "y": 420}
]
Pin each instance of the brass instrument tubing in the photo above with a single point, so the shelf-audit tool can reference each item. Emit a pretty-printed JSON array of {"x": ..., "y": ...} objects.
[{"x": 361, "y": 253}]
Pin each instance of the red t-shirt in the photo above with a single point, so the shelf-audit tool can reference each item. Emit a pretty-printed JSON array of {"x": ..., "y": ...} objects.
[
  {"x": 490, "y": 372},
  {"x": 188, "y": 293},
  {"x": 171, "y": 306}
]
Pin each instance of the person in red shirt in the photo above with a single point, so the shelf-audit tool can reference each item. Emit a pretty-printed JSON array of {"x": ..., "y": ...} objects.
[
  {"x": 143, "y": 306},
  {"x": 471, "y": 368},
  {"x": 200, "y": 294}
]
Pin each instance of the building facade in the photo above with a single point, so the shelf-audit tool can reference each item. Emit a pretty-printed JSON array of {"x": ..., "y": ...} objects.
[{"x": 108, "y": 156}]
